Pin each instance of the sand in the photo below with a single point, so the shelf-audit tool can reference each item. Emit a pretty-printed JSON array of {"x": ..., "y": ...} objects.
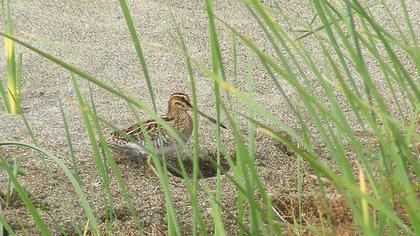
[{"x": 93, "y": 36}]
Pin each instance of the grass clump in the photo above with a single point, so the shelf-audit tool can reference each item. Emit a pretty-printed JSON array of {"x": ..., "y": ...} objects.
[{"x": 10, "y": 94}]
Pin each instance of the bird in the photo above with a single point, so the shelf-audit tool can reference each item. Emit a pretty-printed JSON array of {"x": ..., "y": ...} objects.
[{"x": 132, "y": 139}]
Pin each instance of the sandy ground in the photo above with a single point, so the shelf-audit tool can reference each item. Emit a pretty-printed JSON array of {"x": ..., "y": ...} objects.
[{"x": 93, "y": 36}]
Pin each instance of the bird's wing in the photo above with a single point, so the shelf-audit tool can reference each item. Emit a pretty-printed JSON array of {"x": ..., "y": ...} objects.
[{"x": 150, "y": 126}]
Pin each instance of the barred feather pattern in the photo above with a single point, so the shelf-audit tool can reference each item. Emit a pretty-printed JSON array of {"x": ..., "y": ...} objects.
[{"x": 134, "y": 139}]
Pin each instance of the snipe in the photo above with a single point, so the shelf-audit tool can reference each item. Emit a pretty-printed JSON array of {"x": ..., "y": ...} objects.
[{"x": 177, "y": 116}]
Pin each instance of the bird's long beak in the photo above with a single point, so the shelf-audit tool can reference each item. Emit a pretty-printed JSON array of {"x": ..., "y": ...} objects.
[
  {"x": 211, "y": 119},
  {"x": 208, "y": 117}
]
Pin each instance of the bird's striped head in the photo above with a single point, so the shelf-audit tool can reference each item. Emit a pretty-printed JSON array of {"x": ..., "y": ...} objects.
[{"x": 179, "y": 101}]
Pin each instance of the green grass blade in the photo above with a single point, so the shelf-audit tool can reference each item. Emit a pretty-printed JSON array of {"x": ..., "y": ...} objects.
[
  {"x": 70, "y": 143},
  {"x": 9, "y": 47},
  {"x": 408, "y": 22},
  {"x": 18, "y": 78},
  {"x": 3, "y": 97},
  {"x": 30, "y": 131},
  {"x": 218, "y": 68},
  {"x": 139, "y": 50}
]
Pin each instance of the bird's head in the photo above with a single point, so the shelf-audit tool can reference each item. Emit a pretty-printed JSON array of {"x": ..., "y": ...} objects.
[{"x": 181, "y": 102}]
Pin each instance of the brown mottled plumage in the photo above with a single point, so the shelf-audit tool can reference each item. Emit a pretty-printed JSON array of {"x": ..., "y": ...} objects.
[{"x": 177, "y": 116}]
